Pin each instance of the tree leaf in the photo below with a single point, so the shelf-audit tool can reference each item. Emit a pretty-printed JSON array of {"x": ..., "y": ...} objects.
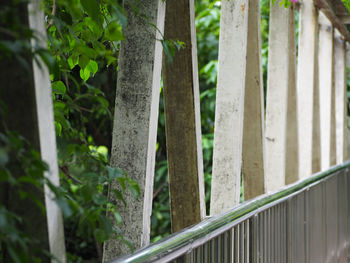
[
  {"x": 58, "y": 87},
  {"x": 58, "y": 128},
  {"x": 119, "y": 11},
  {"x": 83, "y": 61},
  {"x": 119, "y": 196},
  {"x": 99, "y": 199},
  {"x": 169, "y": 49},
  {"x": 72, "y": 61},
  {"x": 114, "y": 32},
  {"x": 114, "y": 172},
  {"x": 85, "y": 74},
  {"x": 65, "y": 208},
  {"x": 92, "y": 67},
  {"x": 95, "y": 28},
  {"x": 92, "y": 8},
  {"x": 117, "y": 217},
  {"x": 3, "y": 157}
]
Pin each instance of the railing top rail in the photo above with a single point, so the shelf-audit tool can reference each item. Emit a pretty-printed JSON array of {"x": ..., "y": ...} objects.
[
  {"x": 335, "y": 12},
  {"x": 193, "y": 236}
]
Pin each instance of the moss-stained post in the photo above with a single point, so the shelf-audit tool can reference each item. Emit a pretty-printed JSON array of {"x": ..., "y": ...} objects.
[
  {"x": 340, "y": 97},
  {"x": 281, "y": 115},
  {"x": 292, "y": 146},
  {"x": 307, "y": 91},
  {"x": 346, "y": 140},
  {"x": 333, "y": 142},
  {"x": 325, "y": 71},
  {"x": 26, "y": 92},
  {"x": 227, "y": 155},
  {"x": 253, "y": 152},
  {"x": 182, "y": 118},
  {"x": 48, "y": 148},
  {"x": 136, "y": 116}
]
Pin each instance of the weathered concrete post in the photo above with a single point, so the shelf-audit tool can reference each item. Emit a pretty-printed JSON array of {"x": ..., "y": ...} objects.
[
  {"x": 27, "y": 95},
  {"x": 253, "y": 152},
  {"x": 281, "y": 111},
  {"x": 47, "y": 133},
  {"x": 136, "y": 116},
  {"x": 346, "y": 144},
  {"x": 333, "y": 142},
  {"x": 292, "y": 152},
  {"x": 227, "y": 155},
  {"x": 182, "y": 118},
  {"x": 325, "y": 70},
  {"x": 340, "y": 97},
  {"x": 307, "y": 91}
]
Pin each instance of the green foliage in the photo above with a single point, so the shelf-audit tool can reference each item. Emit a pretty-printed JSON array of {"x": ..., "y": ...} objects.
[
  {"x": 84, "y": 39},
  {"x": 160, "y": 220},
  {"x": 264, "y": 27},
  {"x": 85, "y": 178},
  {"x": 16, "y": 35},
  {"x": 83, "y": 45},
  {"x": 84, "y": 35},
  {"x": 284, "y": 3},
  {"x": 15, "y": 151},
  {"x": 347, "y": 4},
  {"x": 82, "y": 196}
]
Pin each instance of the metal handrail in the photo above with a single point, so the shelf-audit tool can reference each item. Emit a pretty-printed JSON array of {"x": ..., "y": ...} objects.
[{"x": 184, "y": 241}]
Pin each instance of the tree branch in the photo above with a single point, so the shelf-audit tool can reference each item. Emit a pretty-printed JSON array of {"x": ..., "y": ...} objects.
[{"x": 53, "y": 14}]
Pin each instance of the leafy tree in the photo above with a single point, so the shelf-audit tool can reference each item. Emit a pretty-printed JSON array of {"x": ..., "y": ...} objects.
[{"x": 83, "y": 42}]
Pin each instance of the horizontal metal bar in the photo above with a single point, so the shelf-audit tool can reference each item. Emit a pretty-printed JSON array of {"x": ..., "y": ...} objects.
[
  {"x": 328, "y": 9},
  {"x": 189, "y": 238}
]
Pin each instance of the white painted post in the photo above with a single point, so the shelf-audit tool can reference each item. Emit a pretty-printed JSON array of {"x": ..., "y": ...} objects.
[
  {"x": 341, "y": 97},
  {"x": 325, "y": 70},
  {"x": 227, "y": 155},
  {"x": 281, "y": 115},
  {"x": 47, "y": 134},
  {"x": 253, "y": 163},
  {"x": 307, "y": 91},
  {"x": 136, "y": 118}
]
